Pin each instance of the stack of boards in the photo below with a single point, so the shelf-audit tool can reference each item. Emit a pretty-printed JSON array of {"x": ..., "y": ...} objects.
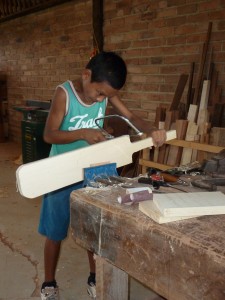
[{"x": 171, "y": 207}]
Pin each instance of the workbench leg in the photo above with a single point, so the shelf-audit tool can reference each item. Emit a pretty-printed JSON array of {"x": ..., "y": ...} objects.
[{"x": 112, "y": 283}]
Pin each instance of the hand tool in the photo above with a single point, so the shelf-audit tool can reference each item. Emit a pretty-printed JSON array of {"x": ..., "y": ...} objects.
[
  {"x": 166, "y": 177},
  {"x": 109, "y": 136},
  {"x": 157, "y": 183},
  {"x": 208, "y": 184}
]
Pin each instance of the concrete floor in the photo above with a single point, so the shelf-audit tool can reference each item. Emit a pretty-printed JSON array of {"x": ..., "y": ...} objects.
[{"x": 21, "y": 247}]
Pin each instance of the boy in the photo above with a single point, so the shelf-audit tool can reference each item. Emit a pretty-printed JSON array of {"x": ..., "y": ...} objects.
[{"x": 70, "y": 125}]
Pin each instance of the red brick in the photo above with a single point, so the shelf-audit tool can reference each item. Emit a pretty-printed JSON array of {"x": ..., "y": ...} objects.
[
  {"x": 209, "y": 5},
  {"x": 187, "y": 9},
  {"x": 176, "y": 21}
]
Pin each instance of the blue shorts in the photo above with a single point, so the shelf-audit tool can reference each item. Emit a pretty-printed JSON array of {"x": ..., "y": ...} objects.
[{"x": 55, "y": 213}]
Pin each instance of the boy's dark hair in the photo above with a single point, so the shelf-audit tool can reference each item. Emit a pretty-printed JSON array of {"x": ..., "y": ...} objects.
[{"x": 109, "y": 67}]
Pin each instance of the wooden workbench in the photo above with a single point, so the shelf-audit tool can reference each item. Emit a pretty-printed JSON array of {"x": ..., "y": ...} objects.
[{"x": 182, "y": 260}]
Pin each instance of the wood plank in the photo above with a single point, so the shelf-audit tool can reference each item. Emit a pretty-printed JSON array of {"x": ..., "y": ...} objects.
[
  {"x": 203, "y": 134},
  {"x": 152, "y": 164},
  {"x": 150, "y": 209},
  {"x": 156, "y": 149},
  {"x": 175, "y": 116},
  {"x": 178, "y": 92},
  {"x": 192, "y": 112},
  {"x": 192, "y": 130},
  {"x": 160, "y": 115},
  {"x": 175, "y": 153},
  {"x": 52, "y": 173},
  {"x": 190, "y": 88},
  {"x": 217, "y": 115},
  {"x": 197, "y": 146},
  {"x": 168, "y": 121},
  {"x": 213, "y": 85},
  {"x": 202, "y": 65},
  {"x": 217, "y": 137},
  {"x": 97, "y": 17},
  {"x": 190, "y": 204}
]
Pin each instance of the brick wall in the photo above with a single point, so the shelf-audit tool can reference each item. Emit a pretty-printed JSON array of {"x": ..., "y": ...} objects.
[{"x": 157, "y": 39}]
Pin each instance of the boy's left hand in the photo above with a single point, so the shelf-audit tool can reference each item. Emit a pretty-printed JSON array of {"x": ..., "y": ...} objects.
[{"x": 158, "y": 137}]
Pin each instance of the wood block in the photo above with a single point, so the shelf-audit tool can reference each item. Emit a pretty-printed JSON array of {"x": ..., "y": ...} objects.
[
  {"x": 150, "y": 209},
  {"x": 190, "y": 204}
]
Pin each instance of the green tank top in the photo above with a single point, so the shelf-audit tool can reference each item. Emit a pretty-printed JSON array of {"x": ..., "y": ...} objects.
[{"x": 78, "y": 115}]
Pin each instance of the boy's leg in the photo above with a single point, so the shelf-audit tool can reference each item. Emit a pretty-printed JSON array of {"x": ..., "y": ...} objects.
[
  {"x": 91, "y": 289},
  {"x": 51, "y": 256},
  {"x": 91, "y": 261},
  {"x": 49, "y": 288}
]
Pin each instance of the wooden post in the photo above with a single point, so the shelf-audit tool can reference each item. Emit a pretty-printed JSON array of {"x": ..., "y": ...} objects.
[
  {"x": 112, "y": 283},
  {"x": 97, "y": 16}
]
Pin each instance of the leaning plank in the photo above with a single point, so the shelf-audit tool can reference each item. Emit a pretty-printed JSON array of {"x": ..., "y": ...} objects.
[
  {"x": 179, "y": 92},
  {"x": 52, "y": 173},
  {"x": 175, "y": 153},
  {"x": 192, "y": 112},
  {"x": 217, "y": 137},
  {"x": 156, "y": 149},
  {"x": 192, "y": 130},
  {"x": 202, "y": 65},
  {"x": 190, "y": 88},
  {"x": 168, "y": 122}
]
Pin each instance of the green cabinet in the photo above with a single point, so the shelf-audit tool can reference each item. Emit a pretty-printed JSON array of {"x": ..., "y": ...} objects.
[
  {"x": 33, "y": 145},
  {"x": 32, "y": 128}
]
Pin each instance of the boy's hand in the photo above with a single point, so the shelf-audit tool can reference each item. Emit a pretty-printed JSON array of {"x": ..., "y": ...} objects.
[
  {"x": 93, "y": 136},
  {"x": 158, "y": 137}
]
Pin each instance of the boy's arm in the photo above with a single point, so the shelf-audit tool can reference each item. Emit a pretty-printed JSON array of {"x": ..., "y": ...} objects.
[
  {"x": 158, "y": 135},
  {"x": 52, "y": 132}
]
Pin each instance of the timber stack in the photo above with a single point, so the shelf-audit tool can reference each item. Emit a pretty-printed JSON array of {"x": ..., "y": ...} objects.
[{"x": 199, "y": 120}]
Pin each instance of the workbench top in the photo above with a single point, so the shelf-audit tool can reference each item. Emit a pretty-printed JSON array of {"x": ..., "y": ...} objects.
[{"x": 179, "y": 260}]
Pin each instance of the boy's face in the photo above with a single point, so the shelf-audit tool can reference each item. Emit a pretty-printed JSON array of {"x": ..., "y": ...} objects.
[{"x": 96, "y": 91}]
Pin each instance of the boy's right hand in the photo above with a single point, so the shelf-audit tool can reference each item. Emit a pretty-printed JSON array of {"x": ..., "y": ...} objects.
[{"x": 93, "y": 136}]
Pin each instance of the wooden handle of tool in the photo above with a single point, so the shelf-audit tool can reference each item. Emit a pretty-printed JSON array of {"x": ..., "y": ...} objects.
[
  {"x": 169, "y": 178},
  {"x": 204, "y": 185}
]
